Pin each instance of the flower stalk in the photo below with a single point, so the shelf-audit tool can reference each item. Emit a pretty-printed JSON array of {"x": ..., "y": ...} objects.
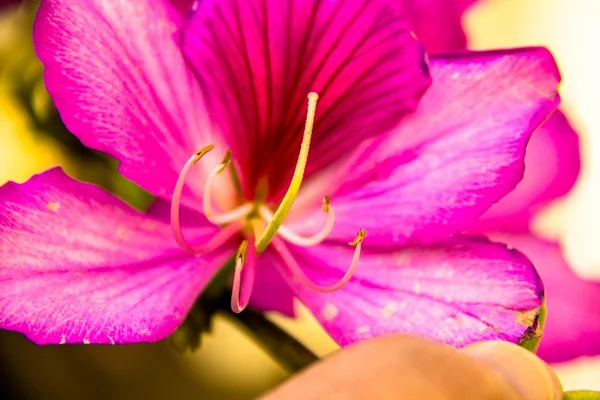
[{"x": 283, "y": 348}]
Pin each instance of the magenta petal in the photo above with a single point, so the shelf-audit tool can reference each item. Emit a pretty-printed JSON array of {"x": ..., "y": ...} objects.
[
  {"x": 573, "y": 319},
  {"x": 461, "y": 151},
  {"x": 271, "y": 292},
  {"x": 183, "y": 7},
  {"x": 121, "y": 85},
  {"x": 258, "y": 60},
  {"x": 457, "y": 292},
  {"x": 438, "y": 24},
  {"x": 77, "y": 265},
  {"x": 552, "y": 166}
]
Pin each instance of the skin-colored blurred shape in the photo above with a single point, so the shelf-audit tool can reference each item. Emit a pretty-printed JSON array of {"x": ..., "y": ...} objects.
[
  {"x": 405, "y": 367},
  {"x": 23, "y": 152}
]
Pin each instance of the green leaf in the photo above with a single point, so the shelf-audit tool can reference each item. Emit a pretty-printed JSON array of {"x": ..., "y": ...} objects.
[{"x": 582, "y": 395}]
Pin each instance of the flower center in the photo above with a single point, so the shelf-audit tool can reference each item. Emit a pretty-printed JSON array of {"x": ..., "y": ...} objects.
[{"x": 260, "y": 225}]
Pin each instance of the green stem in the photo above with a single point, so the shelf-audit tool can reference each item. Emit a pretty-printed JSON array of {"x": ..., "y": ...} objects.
[{"x": 283, "y": 348}]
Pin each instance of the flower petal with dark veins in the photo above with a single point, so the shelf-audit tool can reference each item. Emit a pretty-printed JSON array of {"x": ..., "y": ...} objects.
[
  {"x": 79, "y": 266},
  {"x": 121, "y": 85},
  {"x": 258, "y": 59},
  {"x": 447, "y": 163}
]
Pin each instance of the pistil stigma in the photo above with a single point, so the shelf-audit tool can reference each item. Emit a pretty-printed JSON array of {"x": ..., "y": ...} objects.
[{"x": 292, "y": 192}]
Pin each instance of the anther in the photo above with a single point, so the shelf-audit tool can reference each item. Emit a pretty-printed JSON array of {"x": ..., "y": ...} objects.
[
  {"x": 292, "y": 192},
  {"x": 300, "y": 240},
  {"x": 220, "y": 238},
  {"x": 243, "y": 278},
  {"x": 301, "y": 277},
  {"x": 229, "y": 216}
]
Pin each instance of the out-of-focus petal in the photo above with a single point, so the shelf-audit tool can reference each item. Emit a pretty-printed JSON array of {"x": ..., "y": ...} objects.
[
  {"x": 183, "y": 7},
  {"x": 460, "y": 152},
  {"x": 120, "y": 83},
  {"x": 79, "y": 266},
  {"x": 552, "y": 166},
  {"x": 457, "y": 292},
  {"x": 438, "y": 24},
  {"x": 258, "y": 60},
  {"x": 573, "y": 320}
]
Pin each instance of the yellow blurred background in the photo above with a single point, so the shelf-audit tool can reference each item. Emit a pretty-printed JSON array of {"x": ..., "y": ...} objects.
[{"x": 229, "y": 365}]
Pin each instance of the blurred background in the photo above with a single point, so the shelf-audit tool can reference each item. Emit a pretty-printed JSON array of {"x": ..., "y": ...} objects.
[{"x": 229, "y": 365}]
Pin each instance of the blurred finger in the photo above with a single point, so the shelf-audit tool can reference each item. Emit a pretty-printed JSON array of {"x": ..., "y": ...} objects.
[
  {"x": 525, "y": 372},
  {"x": 396, "y": 367}
]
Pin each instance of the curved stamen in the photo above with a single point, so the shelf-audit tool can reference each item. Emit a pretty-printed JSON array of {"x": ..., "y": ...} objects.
[
  {"x": 301, "y": 277},
  {"x": 243, "y": 278},
  {"x": 229, "y": 216},
  {"x": 220, "y": 238},
  {"x": 299, "y": 240},
  {"x": 292, "y": 192}
]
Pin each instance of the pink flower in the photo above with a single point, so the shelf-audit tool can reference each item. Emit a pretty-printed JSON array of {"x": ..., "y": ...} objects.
[
  {"x": 552, "y": 167},
  {"x": 80, "y": 266}
]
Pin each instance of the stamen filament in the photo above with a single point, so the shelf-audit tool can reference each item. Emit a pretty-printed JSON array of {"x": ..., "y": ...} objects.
[
  {"x": 230, "y": 216},
  {"x": 301, "y": 277},
  {"x": 243, "y": 278},
  {"x": 220, "y": 238},
  {"x": 290, "y": 195},
  {"x": 299, "y": 240},
  {"x": 227, "y": 217}
]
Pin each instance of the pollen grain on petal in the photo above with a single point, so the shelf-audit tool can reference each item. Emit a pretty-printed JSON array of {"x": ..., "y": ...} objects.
[
  {"x": 389, "y": 310},
  {"x": 329, "y": 312},
  {"x": 122, "y": 233},
  {"x": 417, "y": 288},
  {"x": 364, "y": 332},
  {"x": 53, "y": 206}
]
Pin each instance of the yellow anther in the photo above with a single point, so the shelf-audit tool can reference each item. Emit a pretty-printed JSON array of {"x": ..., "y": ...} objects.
[
  {"x": 359, "y": 238},
  {"x": 326, "y": 204},
  {"x": 200, "y": 153},
  {"x": 240, "y": 255}
]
